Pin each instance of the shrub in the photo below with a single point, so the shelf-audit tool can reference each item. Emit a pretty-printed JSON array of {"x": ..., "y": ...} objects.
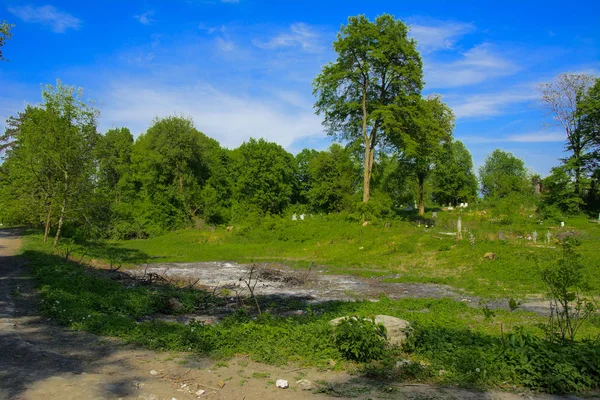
[{"x": 360, "y": 339}]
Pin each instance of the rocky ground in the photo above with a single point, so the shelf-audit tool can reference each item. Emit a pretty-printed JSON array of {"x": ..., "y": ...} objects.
[
  {"x": 312, "y": 285},
  {"x": 40, "y": 360}
]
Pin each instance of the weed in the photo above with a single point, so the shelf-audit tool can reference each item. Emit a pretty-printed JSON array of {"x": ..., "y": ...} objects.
[{"x": 360, "y": 339}]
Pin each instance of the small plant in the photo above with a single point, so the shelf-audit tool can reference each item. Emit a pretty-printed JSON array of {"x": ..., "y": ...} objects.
[
  {"x": 566, "y": 282},
  {"x": 513, "y": 304},
  {"x": 251, "y": 280},
  {"x": 488, "y": 313},
  {"x": 360, "y": 339}
]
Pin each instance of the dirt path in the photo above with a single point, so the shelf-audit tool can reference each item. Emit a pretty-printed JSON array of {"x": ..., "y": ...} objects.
[{"x": 39, "y": 360}]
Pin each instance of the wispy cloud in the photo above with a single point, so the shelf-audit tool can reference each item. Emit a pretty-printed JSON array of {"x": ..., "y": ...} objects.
[
  {"x": 230, "y": 1},
  {"x": 225, "y": 45},
  {"x": 528, "y": 137},
  {"x": 439, "y": 35},
  {"x": 490, "y": 104},
  {"x": 476, "y": 65},
  {"x": 49, "y": 16},
  {"x": 231, "y": 118},
  {"x": 300, "y": 35},
  {"x": 145, "y": 18}
]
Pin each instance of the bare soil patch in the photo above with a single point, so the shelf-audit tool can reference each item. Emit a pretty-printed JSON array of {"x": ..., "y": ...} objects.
[{"x": 313, "y": 286}]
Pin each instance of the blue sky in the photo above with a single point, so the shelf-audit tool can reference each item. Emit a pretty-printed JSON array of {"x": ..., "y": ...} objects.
[{"x": 243, "y": 68}]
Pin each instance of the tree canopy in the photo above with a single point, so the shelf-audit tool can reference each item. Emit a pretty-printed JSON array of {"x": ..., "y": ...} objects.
[
  {"x": 503, "y": 174},
  {"x": 377, "y": 70}
]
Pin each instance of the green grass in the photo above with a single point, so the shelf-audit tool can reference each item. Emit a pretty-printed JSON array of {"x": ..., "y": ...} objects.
[
  {"x": 449, "y": 336},
  {"x": 402, "y": 252}
]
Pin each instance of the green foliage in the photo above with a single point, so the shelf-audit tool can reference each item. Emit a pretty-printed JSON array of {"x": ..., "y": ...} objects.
[
  {"x": 503, "y": 174},
  {"x": 360, "y": 339},
  {"x": 265, "y": 176},
  {"x": 332, "y": 180},
  {"x": 566, "y": 282},
  {"x": 5, "y": 34},
  {"x": 453, "y": 179},
  {"x": 48, "y": 176},
  {"x": 421, "y": 133},
  {"x": 559, "y": 190},
  {"x": 362, "y": 94},
  {"x": 448, "y": 335}
]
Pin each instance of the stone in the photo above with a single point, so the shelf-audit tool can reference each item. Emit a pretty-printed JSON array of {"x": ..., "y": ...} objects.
[
  {"x": 153, "y": 373},
  {"x": 200, "y": 392},
  {"x": 175, "y": 305},
  {"x": 397, "y": 329},
  {"x": 489, "y": 256},
  {"x": 404, "y": 363},
  {"x": 366, "y": 223},
  {"x": 282, "y": 384},
  {"x": 305, "y": 384},
  {"x": 229, "y": 228}
]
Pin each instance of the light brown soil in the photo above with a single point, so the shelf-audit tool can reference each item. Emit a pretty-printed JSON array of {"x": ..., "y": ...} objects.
[{"x": 40, "y": 360}]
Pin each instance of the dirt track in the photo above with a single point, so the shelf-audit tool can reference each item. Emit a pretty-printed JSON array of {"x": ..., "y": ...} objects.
[{"x": 39, "y": 360}]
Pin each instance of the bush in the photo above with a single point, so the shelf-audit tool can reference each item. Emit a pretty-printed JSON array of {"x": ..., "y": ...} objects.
[{"x": 360, "y": 339}]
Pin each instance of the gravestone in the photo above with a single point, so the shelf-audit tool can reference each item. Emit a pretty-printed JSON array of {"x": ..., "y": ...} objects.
[
  {"x": 534, "y": 235},
  {"x": 548, "y": 236},
  {"x": 294, "y": 217}
]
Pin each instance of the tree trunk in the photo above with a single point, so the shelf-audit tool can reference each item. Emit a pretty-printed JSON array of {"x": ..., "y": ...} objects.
[
  {"x": 47, "y": 224},
  {"x": 60, "y": 220},
  {"x": 367, "y": 173},
  {"x": 368, "y": 150},
  {"x": 421, "y": 180}
]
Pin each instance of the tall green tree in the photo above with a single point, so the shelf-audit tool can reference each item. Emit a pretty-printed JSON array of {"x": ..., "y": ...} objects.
[
  {"x": 378, "y": 68},
  {"x": 265, "y": 176},
  {"x": 171, "y": 164},
  {"x": 503, "y": 174},
  {"x": 303, "y": 161},
  {"x": 5, "y": 33},
  {"x": 561, "y": 99},
  {"x": 421, "y": 134},
  {"x": 332, "y": 177},
  {"x": 50, "y": 155},
  {"x": 453, "y": 179}
]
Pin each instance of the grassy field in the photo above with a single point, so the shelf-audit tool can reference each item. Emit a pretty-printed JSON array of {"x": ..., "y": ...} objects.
[
  {"x": 396, "y": 250},
  {"x": 452, "y": 343}
]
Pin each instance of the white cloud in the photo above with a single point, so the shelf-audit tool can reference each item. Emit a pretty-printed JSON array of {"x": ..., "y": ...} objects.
[
  {"x": 225, "y": 45},
  {"x": 301, "y": 35},
  {"x": 439, "y": 36},
  {"x": 145, "y": 18},
  {"x": 57, "y": 20},
  {"x": 490, "y": 104},
  {"x": 487, "y": 105},
  {"x": 528, "y": 137},
  {"x": 229, "y": 118},
  {"x": 476, "y": 65}
]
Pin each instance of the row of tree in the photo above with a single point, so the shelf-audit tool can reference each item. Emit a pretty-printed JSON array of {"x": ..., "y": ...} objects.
[{"x": 58, "y": 169}]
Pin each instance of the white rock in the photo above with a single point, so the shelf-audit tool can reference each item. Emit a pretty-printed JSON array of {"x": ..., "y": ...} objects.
[
  {"x": 397, "y": 329},
  {"x": 200, "y": 392},
  {"x": 282, "y": 384},
  {"x": 153, "y": 373}
]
